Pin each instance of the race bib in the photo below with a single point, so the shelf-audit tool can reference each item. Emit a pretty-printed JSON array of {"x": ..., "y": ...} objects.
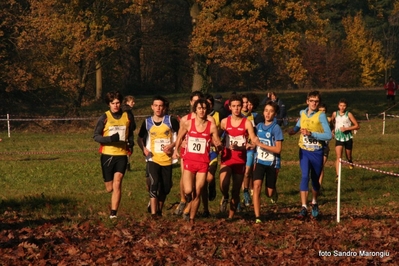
[
  {"x": 121, "y": 130},
  {"x": 237, "y": 140},
  {"x": 310, "y": 142},
  {"x": 196, "y": 145},
  {"x": 159, "y": 144},
  {"x": 263, "y": 154}
]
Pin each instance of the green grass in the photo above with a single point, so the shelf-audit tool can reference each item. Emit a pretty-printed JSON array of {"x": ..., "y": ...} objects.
[{"x": 39, "y": 180}]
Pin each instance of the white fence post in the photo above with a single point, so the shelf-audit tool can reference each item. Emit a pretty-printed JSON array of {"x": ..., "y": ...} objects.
[
  {"x": 8, "y": 125},
  {"x": 383, "y": 123},
  {"x": 339, "y": 192}
]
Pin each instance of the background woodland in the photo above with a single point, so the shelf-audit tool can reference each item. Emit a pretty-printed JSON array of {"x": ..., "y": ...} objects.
[{"x": 69, "y": 53}]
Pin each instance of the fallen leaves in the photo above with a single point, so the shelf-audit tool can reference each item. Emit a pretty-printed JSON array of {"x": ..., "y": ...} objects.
[{"x": 173, "y": 241}]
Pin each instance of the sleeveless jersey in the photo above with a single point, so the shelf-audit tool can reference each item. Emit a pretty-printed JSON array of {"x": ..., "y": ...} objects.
[
  {"x": 158, "y": 137},
  {"x": 268, "y": 135},
  {"x": 198, "y": 143},
  {"x": 342, "y": 121},
  {"x": 112, "y": 126},
  {"x": 238, "y": 136},
  {"x": 313, "y": 125}
]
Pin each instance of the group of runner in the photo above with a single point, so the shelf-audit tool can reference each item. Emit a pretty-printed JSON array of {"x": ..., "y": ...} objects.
[{"x": 249, "y": 152}]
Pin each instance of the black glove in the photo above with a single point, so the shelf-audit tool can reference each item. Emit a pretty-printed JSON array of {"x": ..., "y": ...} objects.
[{"x": 115, "y": 137}]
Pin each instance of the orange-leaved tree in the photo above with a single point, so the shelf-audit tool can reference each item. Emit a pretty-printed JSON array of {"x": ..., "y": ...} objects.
[
  {"x": 61, "y": 41},
  {"x": 242, "y": 35},
  {"x": 366, "y": 50}
]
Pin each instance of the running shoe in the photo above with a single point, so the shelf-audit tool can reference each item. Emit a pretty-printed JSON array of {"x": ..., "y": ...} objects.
[
  {"x": 303, "y": 213},
  {"x": 351, "y": 165},
  {"x": 258, "y": 221},
  {"x": 113, "y": 217},
  {"x": 223, "y": 205},
  {"x": 180, "y": 208},
  {"x": 274, "y": 197},
  {"x": 211, "y": 192},
  {"x": 247, "y": 198},
  {"x": 186, "y": 216},
  {"x": 206, "y": 214},
  {"x": 315, "y": 210}
]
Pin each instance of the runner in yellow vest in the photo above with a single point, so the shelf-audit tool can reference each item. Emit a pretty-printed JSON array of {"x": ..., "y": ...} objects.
[{"x": 114, "y": 131}]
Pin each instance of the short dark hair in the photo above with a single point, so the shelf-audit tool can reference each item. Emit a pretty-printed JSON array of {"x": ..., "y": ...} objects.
[
  {"x": 235, "y": 97},
  {"x": 196, "y": 93},
  {"x": 272, "y": 104},
  {"x": 343, "y": 100},
  {"x": 160, "y": 98},
  {"x": 314, "y": 94},
  {"x": 112, "y": 95}
]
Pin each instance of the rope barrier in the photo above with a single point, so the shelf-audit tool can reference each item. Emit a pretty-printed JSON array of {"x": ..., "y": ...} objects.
[
  {"x": 339, "y": 181},
  {"x": 45, "y": 152},
  {"x": 369, "y": 168},
  {"x": 40, "y": 118},
  {"x": 47, "y": 119}
]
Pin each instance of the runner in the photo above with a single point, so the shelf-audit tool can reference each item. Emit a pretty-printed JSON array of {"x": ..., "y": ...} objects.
[
  {"x": 182, "y": 209},
  {"x": 233, "y": 158},
  {"x": 156, "y": 141},
  {"x": 344, "y": 122},
  {"x": 315, "y": 131},
  {"x": 114, "y": 131},
  {"x": 267, "y": 155},
  {"x": 198, "y": 132}
]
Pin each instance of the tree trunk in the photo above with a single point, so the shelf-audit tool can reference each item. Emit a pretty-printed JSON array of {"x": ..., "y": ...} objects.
[
  {"x": 99, "y": 81},
  {"x": 198, "y": 80}
]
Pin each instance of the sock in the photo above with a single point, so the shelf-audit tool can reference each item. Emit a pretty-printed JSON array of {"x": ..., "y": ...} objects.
[
  {"x": 314, "y": 201},
  {"x": 113, "y": 212},
  {"x": 304, "y": 206}
]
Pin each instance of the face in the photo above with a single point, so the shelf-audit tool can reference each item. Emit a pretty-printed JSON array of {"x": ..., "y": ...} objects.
[
  {"x": 158, "y": 107},
  {"x": 115, "y": 106},
  {"x": 269, "y": 113},
  {"x": 322, "y": 109},
  {"x": 245, "y": 104},
  {"x": 235, "y": 107},
  {"x": 313, "y": 103},
  {"x": 250, "y": 106},
  {"x": 200, "y": 111},
  {"x": 130, "y": 103},
  {"x": 273, "y": 97},
  {"x": 342, "y": 107}
]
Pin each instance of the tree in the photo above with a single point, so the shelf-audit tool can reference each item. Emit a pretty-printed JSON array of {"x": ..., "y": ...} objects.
[
  {"x": 61, "y": 41},
  {"x": 366, "y": 50},
  {"x": 243, "y": 35}
]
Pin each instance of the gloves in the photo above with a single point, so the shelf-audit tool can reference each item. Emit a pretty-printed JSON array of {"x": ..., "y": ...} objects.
[{"x": 115, "y": 137}]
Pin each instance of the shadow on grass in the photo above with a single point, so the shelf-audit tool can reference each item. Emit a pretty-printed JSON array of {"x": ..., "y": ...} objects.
[
  {"x": 20, "y": 213},
  {"x": 39, "y": 159}
]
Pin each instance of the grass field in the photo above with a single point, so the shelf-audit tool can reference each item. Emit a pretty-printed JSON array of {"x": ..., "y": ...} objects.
[{"x": 55, "y": 179}]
